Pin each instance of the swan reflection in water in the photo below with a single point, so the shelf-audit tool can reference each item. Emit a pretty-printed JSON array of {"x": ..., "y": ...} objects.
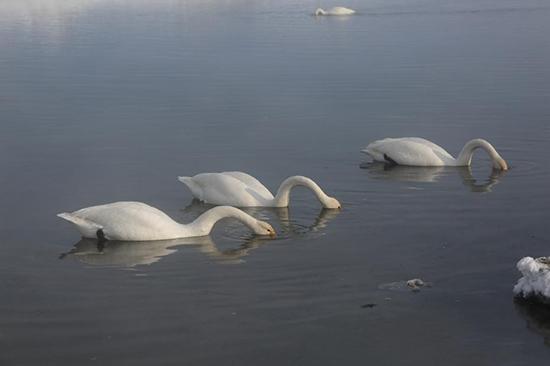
[
  {"x": 128, "y": 255},
  {"x": 536, "y": 315},
  {"x": 420, "y": 174}
]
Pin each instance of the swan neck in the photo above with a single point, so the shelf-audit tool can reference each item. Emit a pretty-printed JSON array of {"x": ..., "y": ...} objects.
[
  {"x": 283, "y": 194},
  {"x": 204, "y": 223},
  {"x": 320, "y": 12},
  {"x": 465, "y": 157}
]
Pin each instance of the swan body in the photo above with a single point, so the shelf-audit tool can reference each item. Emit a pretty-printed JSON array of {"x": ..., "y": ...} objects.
[
  {"x": 136, "y": 221},
  {"x": 416, "y": 151},
  {"x": 338, "y": 10},
  {"x": 242, "y": 190}
]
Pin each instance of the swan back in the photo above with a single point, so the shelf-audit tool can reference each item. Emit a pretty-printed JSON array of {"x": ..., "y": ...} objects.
[{"x": 412, "y": 151}]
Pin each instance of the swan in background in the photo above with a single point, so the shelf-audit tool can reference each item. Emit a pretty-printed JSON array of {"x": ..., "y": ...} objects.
[
  {"x": 337, "y": 10},
  {"x": 242, "y": 190},
  {"x": 136, "y": 221},
  {"x": 416, "y": 151}
]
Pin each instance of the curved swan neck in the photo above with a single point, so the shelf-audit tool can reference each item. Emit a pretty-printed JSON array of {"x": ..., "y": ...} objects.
[
  {"x": 283, "y": 194},
  {"x": 204, "y": 223},
  {"x": 320, "y": 12},
  {"x": 465, "y": 157}
]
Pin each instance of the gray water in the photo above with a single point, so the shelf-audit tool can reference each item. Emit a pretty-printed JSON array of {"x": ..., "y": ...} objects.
[{"x": 104, "y": 101}]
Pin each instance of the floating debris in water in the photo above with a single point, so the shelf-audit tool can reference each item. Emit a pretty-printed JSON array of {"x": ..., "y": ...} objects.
[
  {"x": 414, "y": 285},
  {"x": 369, "y": 305},
  {"x": 415, "y": 282},
  {"x": 535, "y": 282}
]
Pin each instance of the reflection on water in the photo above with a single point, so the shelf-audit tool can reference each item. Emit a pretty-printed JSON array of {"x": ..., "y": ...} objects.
[
  {"x": 536, "y": 316},
  {"x": 127, "y": 254},
  {"x": 382, "y": 171},
  {"x": 485, "y": 187}
]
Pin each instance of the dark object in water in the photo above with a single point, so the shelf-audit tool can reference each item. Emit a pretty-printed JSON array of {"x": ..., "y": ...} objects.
[
  {"x": 369, "y": 305},
  {"x": 101, "y": 236}
]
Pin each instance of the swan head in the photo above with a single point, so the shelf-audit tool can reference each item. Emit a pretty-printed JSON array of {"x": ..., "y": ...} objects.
[
  {"x": 331, "y": 203},
  {"x": 500, "y": 163},
  {"x": 319, "y": 12},
  {"x": 263, "y": 228}
]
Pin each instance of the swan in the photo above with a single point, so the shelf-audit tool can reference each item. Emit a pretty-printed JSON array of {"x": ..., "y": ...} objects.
[
  {"x": 419, "y": 152},
  {"x": 136, "y": 221},
  {"x": 338, "y": 10},
  {"x": 242, "y": 190}
]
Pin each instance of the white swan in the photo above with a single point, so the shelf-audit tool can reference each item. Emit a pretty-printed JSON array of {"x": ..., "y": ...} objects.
[
  {"x": 242, "y": 190},
  {"x": 419, "y": 152},
  {"x": 338, "y": 10},
  {"x": 136, "y": 221}
]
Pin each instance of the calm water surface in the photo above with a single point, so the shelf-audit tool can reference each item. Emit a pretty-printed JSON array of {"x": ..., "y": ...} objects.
[{"x": 104, "y": 101}]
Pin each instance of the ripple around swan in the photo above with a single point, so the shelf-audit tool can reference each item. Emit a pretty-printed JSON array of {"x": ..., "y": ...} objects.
[
  {"x": 287, "y": 228},
  {"x": 303, "y": 224}
]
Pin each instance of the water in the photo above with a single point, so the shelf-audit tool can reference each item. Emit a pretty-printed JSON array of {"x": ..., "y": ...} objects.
[{"x": 104, "y": 101}]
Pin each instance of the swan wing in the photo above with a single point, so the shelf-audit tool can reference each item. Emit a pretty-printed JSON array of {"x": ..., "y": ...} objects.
[
  {"x": 409, "y": 151},
  {"x": 232, "y": 188},
  {"x": 251, "y": 183}
]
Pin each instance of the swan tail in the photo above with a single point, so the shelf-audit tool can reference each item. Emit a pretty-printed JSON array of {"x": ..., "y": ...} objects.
[
  {"x": 375, "y": 154},
  {"x": 87, "y": 228},
  {"x": 195, "y": 189}
]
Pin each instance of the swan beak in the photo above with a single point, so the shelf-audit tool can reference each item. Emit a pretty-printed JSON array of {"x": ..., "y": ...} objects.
[{"x": 272, "y": 233}]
